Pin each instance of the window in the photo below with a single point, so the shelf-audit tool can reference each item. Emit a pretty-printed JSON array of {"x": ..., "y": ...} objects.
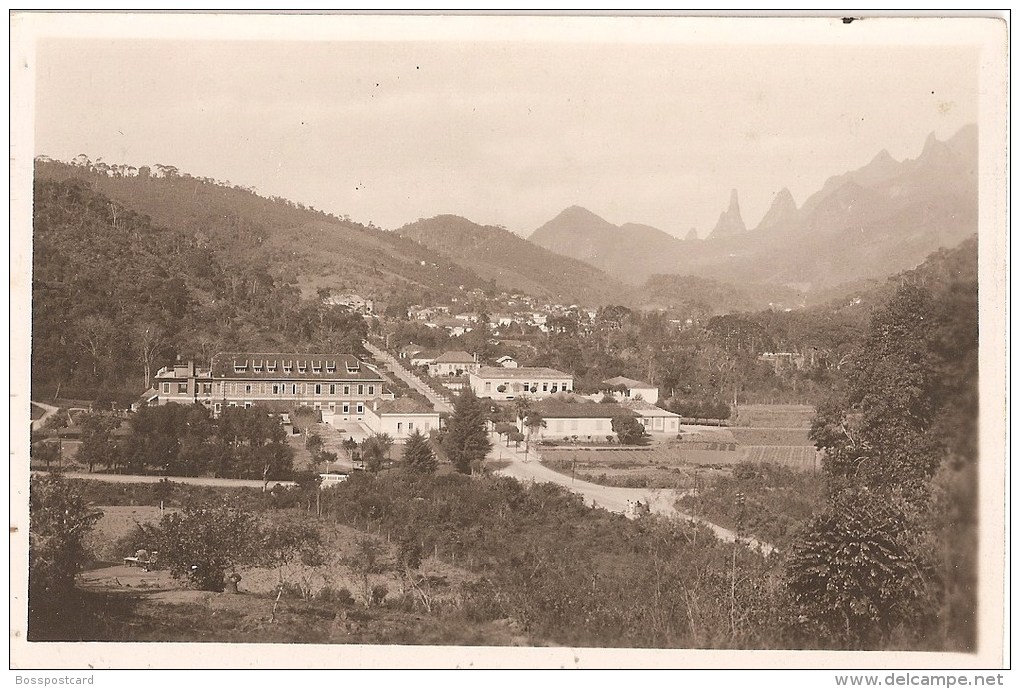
[
  {"x": 217, "y": 407},
  {"x": 347, "y": 408},
  {"x": 247, "y": 388},
  {"x": 400, "y": 426},
  {"x": 182, "y": 388},
  {"x": 276, "y": 389},
  {"x": 330, "y": 367},
  {"x": 317, "y": 406},
  {"x": 256, "y": 366},
  {"x": 554, "y": 388},
  {"x": 332, "y": 388},
  {"x": 271, "y": 365},
  {"x": 361, "y": 389},
  {"x": 332, "y": 406},
  {"x": 247, "y": 405},
  {"x": 293, "y": 388},
  {"x": 240, "y": 366},
  {"x": 206, "y": 388},
  {"x": 318, "y": 389},
  {"x": 288, "y": 366},
  {"x": 361, "y": 408},
  {"x": 371, "y": 389},
  {"x": 347, "y": 390},
  {"x": 545, "y": 387},
  {"x": 166, "y": 388},
  {"x": 410, "y": 426},
  {"x": 316, "y": 367},
  {"x": 302, "y": 367},
  {"x": 488, "y": 386},
  {"x": 232, "y": 404}
]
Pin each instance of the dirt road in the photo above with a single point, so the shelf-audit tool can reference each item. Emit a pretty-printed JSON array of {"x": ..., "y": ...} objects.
[
  {"x": 190, "y": 480},
  {"x": 48, "y": 411},
  {"x": 612, "y": 498}
]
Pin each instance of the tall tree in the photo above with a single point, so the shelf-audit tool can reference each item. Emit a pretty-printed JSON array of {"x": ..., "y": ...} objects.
[
  {"x": 466, "y": 440},
  {"x": 418, "y": 454}
]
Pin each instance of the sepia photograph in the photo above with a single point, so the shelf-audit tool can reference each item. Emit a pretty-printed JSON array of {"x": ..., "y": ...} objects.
[{"x": 505, "y": 341}]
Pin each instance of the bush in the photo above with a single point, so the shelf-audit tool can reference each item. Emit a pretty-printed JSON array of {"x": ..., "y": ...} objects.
[
  {"x": 379, "y": 592},
  {"x": 59, "y": 521}
]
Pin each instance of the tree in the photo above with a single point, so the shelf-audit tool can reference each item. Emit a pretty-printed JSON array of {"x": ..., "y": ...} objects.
[
  {"x": 629, "y": 430},
  {"x": 505, "y": 429},
  {"x": 533, "y": 422},
  {"x": 149, "y": 339},
  {"x": 375, "y": 450},
  {"x": 466, "y": 440},
  {"x": 418, "y": 454},
  {"x": 201, "y": 543},
  {"x": 96, "y": 440},
  {"x": 351, "y": 446},
  {"x": 59, "y": 522}
]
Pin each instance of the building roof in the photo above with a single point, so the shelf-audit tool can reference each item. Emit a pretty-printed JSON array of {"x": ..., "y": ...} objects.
[
  {"x": 523, "y": 373},
  {"x": 273, "y": 366},
  {"x": 457, "y": 357},
  {"x": 558, "y": 409},
  {"x": 628, "y": 382},
  {"x": 646, "y": 408},
  {"x": 404, "y": 405},
  {"x": 505, "y": 358}
]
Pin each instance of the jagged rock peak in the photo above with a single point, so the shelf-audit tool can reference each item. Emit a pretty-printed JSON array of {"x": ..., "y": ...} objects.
[
  {"x": 781, "y": 212},
  {"x": 730, "y": 223}
]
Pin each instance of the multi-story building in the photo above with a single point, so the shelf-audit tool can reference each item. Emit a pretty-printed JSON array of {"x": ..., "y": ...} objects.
[
  {"x": 340, "y": 384},
  {"x": 508, "y": 383}
]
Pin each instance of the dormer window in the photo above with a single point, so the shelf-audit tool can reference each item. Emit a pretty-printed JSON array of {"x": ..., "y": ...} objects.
[
  {"x": 330, "y": 367},
  {"x": 288, "y": 366},
  {"x": 302, "y": 367},
  {"x": 271, "y": 366},
  {"x": 240, "y": 366},
  {"x": 256, "y": 366},
  {"x": 316, "y": 367},
  {"x": 353, "y": 368}
]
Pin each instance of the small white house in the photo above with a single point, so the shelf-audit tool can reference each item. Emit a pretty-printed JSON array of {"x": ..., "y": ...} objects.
[
  {"x": 633, "y": 389},
  {"x": 507, "y": 362},
  {"x": 400, "y": 418},
  {"x": 453, "y": 364}
]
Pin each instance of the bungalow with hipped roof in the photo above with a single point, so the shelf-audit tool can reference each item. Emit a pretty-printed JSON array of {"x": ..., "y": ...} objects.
[
  {"x": 455, "y": 363},
  {"x": 401, "y": 417}
]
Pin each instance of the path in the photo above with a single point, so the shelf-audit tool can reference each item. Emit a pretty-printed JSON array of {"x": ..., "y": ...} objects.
[
  {"x": 614, "y": 499},
  {"x": 48, "y": 411},
  {"x": 190, "y": 480},
  {"x": 393, "y": 366}
]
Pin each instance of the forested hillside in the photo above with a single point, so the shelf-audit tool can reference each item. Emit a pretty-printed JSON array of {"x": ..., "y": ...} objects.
[
  {"x": 514, "y": 263},
  {"x": 286, "y": 240},
  {"x": 116, "y": 295}
]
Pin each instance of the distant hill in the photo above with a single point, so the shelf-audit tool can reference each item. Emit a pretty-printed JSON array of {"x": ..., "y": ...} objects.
[
  {"x": 865, "y": 224},
  {"x": 511, "y": 262},
  {"x": 705, "y": 297},
  {"x": 293, "y": 243},
  {"x": 629, "y": 253}
]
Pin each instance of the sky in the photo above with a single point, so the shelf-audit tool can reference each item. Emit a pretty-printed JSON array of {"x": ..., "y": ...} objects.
[{"x": 503, "y": 132}]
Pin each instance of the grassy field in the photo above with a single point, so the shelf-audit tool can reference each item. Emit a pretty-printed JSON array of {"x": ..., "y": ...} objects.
[{"x": 775, "y": 415}]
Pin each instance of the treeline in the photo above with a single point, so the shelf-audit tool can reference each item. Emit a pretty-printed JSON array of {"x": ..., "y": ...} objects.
[
  {"x": 115, "y": 296},
  {"x": 185, "y": 440}
]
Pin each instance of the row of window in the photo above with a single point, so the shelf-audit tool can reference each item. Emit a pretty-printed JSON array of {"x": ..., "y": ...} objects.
[
  {"x": 276, "y": 388},
  {"x": 528, "y": 387},
  {"x": 258, "y": 365},
  {"x": 346, "y": 407}
]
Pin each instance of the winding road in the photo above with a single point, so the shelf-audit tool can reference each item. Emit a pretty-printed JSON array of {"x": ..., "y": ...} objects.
[{"x": 611, "y": 498}]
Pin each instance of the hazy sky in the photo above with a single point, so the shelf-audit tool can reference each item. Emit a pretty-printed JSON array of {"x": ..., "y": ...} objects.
[{"x": 502, "y": 133}]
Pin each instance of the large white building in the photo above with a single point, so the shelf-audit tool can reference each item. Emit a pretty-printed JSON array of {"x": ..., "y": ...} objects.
[
  {"x": 334, "y": 383},
  {"x": 509, "y": 383}
]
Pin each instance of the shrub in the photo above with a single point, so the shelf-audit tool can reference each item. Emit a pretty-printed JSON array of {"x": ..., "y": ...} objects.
[
  {"x": 379, "y": 592},
  {"x": 59, "y": 521}
]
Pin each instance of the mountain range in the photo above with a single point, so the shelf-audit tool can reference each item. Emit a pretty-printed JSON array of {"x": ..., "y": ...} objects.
[{"x": 867, "y": 223}]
